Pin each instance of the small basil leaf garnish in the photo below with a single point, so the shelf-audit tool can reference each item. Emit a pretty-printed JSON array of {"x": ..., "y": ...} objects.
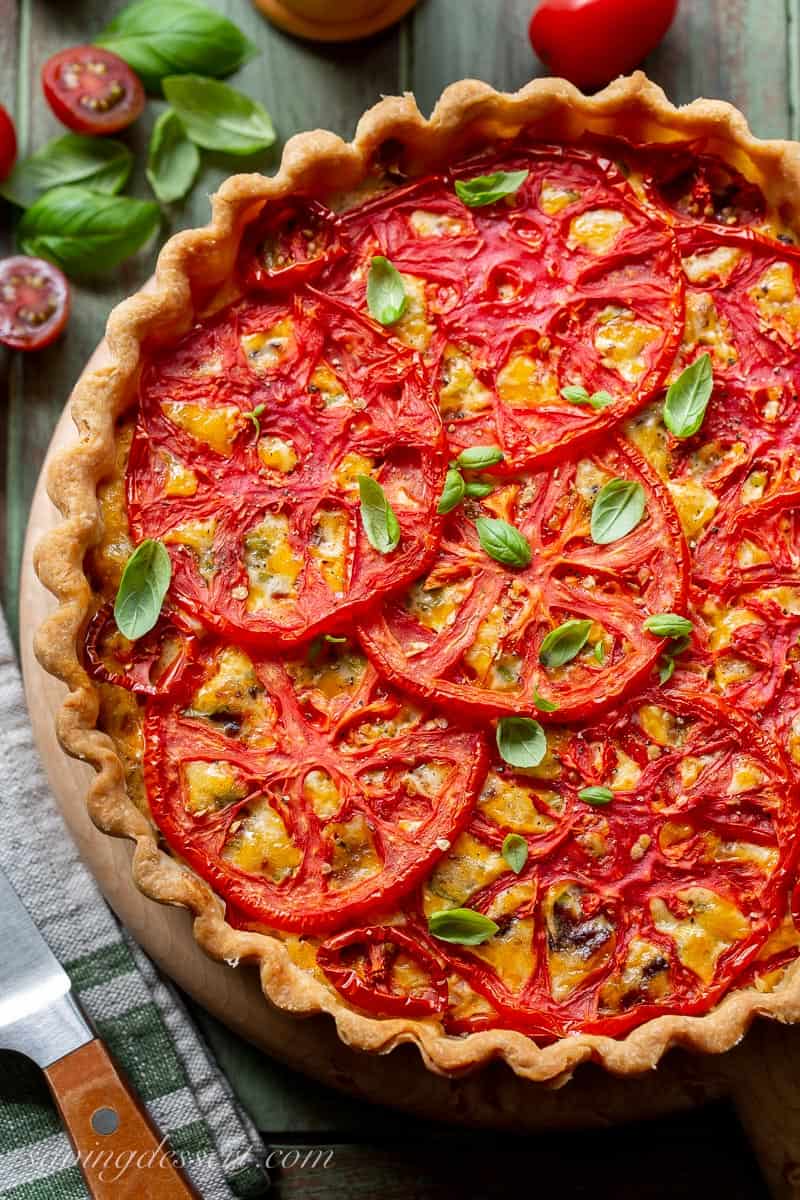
[
  {"x": 486, "y": 189},
  {"x": 478, "y": 458},
  {"x": 478, "y": 488},
  {"x": 173, "y": 160},
  {"x": 515, "y": 852},
  {"x": 503, "y": 542},
  {"x": 688, "y": 397},
  {"x": 142, "y": 589},
  {"x": 386, "y": 293},
  {"x": 217, "y": 117},
  {"x": 521, "y": 741},
  {"x": 380, "y": 524},
  {"x": 544, "y": 705},
  {"x": 666, "y": 668},
  {"x": 452, "y": 493},
  {"x": 669, "y": 625},
  {"x": 158, "y": 39},
  {"x": 84, "y": 232},
  {"x": 563, "y": 644},
  {"x": 596, "y": 795},
  {"x": 463, "y": 926},
  {"x": 600, "y": 652},
  {"x": 576, "y": 394},
  {"x": 254, "y": 415},
  {"x": 618, "y": 508},
  {"x": 101, "y": 164}
]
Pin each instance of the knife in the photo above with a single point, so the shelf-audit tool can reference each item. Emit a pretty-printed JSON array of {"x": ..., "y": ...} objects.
[{"x": 120, "y": 1152}]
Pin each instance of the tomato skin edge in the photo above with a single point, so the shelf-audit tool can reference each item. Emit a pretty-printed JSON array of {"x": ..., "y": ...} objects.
[{"x": 8, "y": 143}]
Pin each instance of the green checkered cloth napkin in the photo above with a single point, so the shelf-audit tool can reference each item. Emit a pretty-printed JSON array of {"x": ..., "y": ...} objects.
[{"x": 137, "y": 1013}]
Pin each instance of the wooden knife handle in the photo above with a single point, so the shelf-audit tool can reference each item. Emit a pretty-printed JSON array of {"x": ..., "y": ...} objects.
[{"x": 129, "y": 1161}]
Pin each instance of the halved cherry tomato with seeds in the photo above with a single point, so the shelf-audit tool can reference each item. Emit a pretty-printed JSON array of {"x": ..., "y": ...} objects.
[
  {"x": 307, "y": 792},
  {"x": 8, "y": 143},
  {"x": 91, "y": 90},
  {"x": 34, "y": 302},
  {"x": 290, "y": 244},
  {"x": 470, "y": 632}
]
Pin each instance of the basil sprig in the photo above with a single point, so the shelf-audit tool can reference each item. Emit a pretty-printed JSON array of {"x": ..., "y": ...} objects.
[
  {"x": 564, "y": 643},
  {"x": 377, "y": 516},
  {"x": 515, "y": 852},
  {"x": 487, "y": 189},
  {"x": 175, "y": 37},
  {"x": 618, "y": 508},
  {"x": 100, "y": 164},
  {"x": 479, "y": 458},
  {"x": 386, "y": 293},
  {"x": 503, "y": 542},
  {"x": 217, "y": 117},
  {"x": 86, "y": 233},
  {"x": 478, "y": 488},
  {"x": 453, "y": 492},
  {"x": 579, "y": 395},
  {"x": 142, "y": 589},
  {"x": 173, "y": 160},
  {"x": 668, "y": 625},
  {"x": 596, "y": 795},
  {"x": 463, "y": 926},
  {"x": 521, "y": 741},
  {"x": 688, "y": 397}
]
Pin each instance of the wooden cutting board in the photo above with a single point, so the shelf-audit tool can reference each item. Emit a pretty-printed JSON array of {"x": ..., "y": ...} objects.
[{"x": 762, "y": 1074}]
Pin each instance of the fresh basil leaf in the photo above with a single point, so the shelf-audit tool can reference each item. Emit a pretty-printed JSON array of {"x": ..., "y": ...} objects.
[
  {"x": 453, "y": 492},
  {"x": 463, "y": 926},
  {"x": 688, "y": 397},
  {"x": 669, "y": 625},
  {"x": 173, "y": 160},
  {"x": 380, "y": 524},
  {"x": 600, "y": 652},
  {"x": 217, "y": 117},
  {"x": 515, "y": 852},
  {"x": 175, "y": 37},
  {"x": 678, "y": 645},
  {"x": 478, "y": 458},
  {"x": 386, "y": 293},
  {"x": 100, "y": 164},
  {"x": 666, "y": 669},
  {"x": 596, "y": 795},
  {"x": 142, "y": 589},
  {"x": 478, "y": 488},
  {"x": 503, "y": 542},
  {"x": 618, "y": 508},
  {"x": 521, "y": 741},
  {"x": 564, "y": 643},
  {"x": 85, "y": 233},
  {"x": 579, "y": 395},
  {"x": 486, "y": 189},
  {"x": 544, "y": 705}
]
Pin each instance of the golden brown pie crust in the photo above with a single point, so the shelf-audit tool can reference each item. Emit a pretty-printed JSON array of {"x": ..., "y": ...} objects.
[{"x": 192, "y": 276}]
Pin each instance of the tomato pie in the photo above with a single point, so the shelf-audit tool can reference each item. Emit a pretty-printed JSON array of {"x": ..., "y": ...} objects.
[{"x": 430, "y": 577}]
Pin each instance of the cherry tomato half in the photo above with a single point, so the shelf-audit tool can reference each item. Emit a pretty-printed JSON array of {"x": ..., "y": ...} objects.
[
  {"x": 92, "y": 90},
  {"x": 34, "y": 302},
  {"x": 590, "y": 42},
  {"x": 8, "y": 143}
]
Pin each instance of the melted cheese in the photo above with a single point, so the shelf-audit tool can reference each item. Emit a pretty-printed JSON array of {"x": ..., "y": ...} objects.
[
  {"x": 649, "y": 434},
  {"x": 260, "y": 844},
  {"x": 763, "y": 858},
  {"x": 277, "y": 454},
  {"x": 526, "y": 382},
  {"x": 589, "y": 478},
  {"x": 413, "y": 327},
  {"x": 434, "y": 224},
  {"x": 461, "y": 391},
  {"x": 469, "y": 866},
  {"x": 110, "y": 556},
  {"x": 746, "y": 775},
  {"x": 705, "y": 329},
  {"x": 492, "y": 668},
  {"x": 328, "y": 546},
  {"x": 234, "y": 696},
  {"x": 660, "y": 725},
  {"x": 266, "y": 349},
  {"x": 198, "y": 536},
  {"x": 354, "y": 858},
  {"x": 351, "y": 466},
  {"x": 696, "y": 505},
  {"x": 711, "y": 927},
  {"x": 644, "y": 977},
  {"x": 555, "y": 196},
  {"x": 596, "y": 230},
  {"x": 718, "y": 263},
  {"x": 436, "y": 607},
  {"x": 333, "y": 676},
  {"x": 577, "y": 944},
  {"x": 511, "y": 805},
  {"x": 775, "y": 296},
  {"x": 271, "y": 563},
  {"x": 217, "y": 427},
  {"x": 627, "y": 773},
  {"x": 210, "y": 786},
  {"x": 326, "y": 384},
  {"x": 322, "y": 794},
  {"x": 179, "y": 480},
  {"x": 622, "y": 340}
]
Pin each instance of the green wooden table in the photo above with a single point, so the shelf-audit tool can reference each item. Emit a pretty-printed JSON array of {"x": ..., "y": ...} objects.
[{"x": 746, "y": 51}]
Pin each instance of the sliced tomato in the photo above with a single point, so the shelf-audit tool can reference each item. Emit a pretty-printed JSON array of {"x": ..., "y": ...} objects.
[
  {"x": 364, "y": 965},
  {"x": 92, "y": 90},
  {"x": 697, "y": 187},
  {"x": 469, "y": 632},
  {"x": 154, "y": 665},
  {"x": 8, "y": 143},
  {"x": 250, "y": 439},
  {"x": 569, "y": 282},
  {"x": 34, "y": 302},
  {"x": 290, "y": 244},
  {"x": 654, "y": 903},
  {"x": 306, "y": 791}
]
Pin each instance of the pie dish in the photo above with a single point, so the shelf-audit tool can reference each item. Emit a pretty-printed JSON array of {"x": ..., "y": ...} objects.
[{"x": 558, "y": 684}]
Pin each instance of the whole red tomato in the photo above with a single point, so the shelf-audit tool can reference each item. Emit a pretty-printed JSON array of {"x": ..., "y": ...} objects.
[
  {"x": 590, "y": 42},
  {"x": 8, "y": 143}
]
